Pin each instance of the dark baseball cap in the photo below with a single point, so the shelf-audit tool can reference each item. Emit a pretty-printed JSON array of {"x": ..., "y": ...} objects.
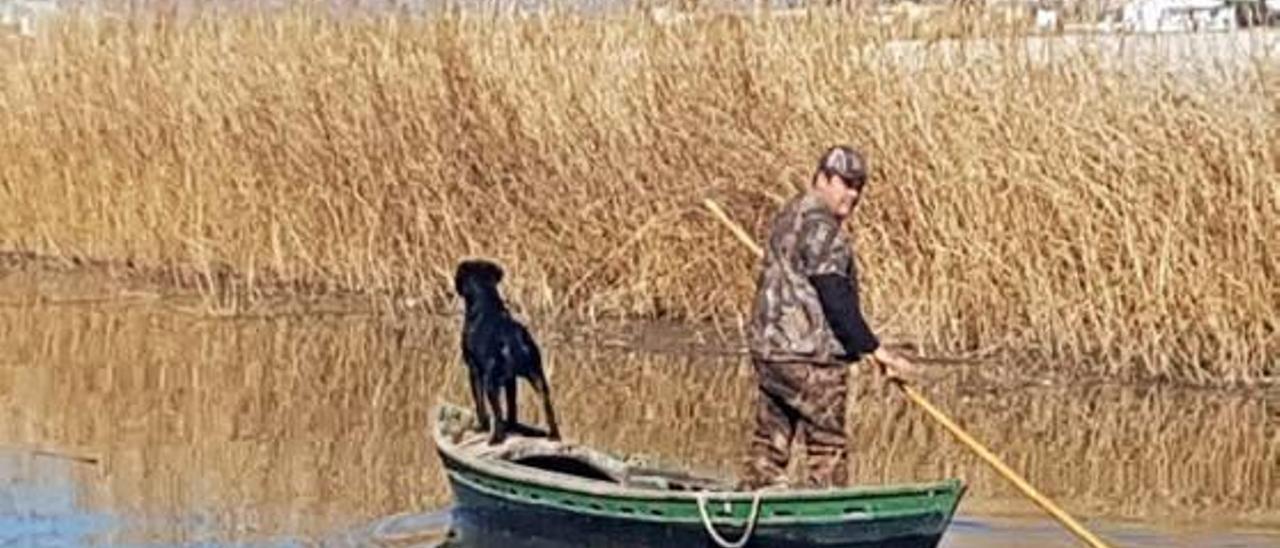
[{"x": 846, "y": 162}]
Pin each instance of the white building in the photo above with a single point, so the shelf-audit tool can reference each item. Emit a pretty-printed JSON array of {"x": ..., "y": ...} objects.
[
  {"x": 24, "y": 16},
  {"x": 1177, "y": 15}
]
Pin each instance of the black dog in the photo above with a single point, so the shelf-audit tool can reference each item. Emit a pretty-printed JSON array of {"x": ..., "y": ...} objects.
[{"x": 497, "y": 350}]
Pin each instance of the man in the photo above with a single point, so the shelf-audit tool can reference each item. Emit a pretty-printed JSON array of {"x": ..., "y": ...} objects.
[{"x": 807, "y": 326}]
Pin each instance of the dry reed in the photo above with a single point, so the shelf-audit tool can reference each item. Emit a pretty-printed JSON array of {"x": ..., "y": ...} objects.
[{"x": 1116, "y": 211}]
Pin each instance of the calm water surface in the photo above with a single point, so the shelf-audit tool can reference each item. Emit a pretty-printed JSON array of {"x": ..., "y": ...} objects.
[{"x": 311, "y": 430}]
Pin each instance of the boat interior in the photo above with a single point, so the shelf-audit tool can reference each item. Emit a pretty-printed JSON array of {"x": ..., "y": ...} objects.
[{"x": 529, "y": 448}]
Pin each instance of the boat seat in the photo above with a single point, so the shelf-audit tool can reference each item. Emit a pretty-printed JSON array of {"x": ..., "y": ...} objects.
[
  {"x": 567, "y": 458},
  {"x": 551, "y": 456}
]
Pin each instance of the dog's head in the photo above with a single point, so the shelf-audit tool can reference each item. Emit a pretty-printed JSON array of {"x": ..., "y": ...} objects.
[{"x": 476, "y": 278}]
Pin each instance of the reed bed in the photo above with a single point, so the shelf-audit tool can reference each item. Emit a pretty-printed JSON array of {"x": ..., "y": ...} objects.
[{"x": 1117, "y": 211}]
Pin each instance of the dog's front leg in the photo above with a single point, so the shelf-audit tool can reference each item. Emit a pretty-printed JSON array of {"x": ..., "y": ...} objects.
[
  {"x": 511, "y": 404},
  {"x": 499, "y": 425},
  {"x": 477, "y": 396}
]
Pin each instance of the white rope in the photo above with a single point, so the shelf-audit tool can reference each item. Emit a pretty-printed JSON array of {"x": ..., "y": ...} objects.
[{"x": 711, "y": 530}]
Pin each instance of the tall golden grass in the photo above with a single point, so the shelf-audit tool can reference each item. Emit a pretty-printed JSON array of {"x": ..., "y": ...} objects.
[{"x": 1111, "y": 212}]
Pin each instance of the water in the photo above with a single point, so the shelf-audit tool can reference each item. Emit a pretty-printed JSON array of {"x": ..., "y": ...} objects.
[
  {"x": 38, "y": 504},
  {"x": 312, "y": 429}
]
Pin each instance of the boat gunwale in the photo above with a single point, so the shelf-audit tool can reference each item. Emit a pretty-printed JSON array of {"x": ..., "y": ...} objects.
[
  {"x": 561, "y": 481},
  {"x": 833, "y": 520}
]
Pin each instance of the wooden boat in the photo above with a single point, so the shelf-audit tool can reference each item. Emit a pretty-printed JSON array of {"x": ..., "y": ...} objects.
[{"x": 531, "y": 491}]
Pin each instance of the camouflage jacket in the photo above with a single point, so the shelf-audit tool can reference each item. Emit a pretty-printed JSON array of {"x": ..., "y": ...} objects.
[{"x": 787, "y": 322}]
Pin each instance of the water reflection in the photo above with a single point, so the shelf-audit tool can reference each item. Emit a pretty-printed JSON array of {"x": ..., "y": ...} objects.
[
  {"x": 38, "y": 503},
  {"x": 280, "y": 431}
]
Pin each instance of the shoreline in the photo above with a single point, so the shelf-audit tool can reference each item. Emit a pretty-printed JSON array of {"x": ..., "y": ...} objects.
[{"x": 29, "y": 280}]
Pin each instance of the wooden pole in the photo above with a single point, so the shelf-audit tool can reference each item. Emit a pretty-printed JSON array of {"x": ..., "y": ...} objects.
[{"x": 914, "y": 396}]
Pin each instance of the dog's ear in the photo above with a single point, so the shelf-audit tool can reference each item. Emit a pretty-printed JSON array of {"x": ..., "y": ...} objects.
[{"x": 464, "y": 276}]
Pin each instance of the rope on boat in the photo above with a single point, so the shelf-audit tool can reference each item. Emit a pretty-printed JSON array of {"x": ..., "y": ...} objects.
[{"x": 752, "y": 518}]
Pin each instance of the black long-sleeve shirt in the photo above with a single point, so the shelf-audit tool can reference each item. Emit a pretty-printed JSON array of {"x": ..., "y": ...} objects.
[{"x": 841, "y": 306}]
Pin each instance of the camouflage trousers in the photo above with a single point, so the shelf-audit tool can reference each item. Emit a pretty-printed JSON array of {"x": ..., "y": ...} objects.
[{"x": 797, "y": 400}]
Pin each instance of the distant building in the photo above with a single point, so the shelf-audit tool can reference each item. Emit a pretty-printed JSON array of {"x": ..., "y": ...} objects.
[
  {"x": 24, "y": 16},
  {"x": 1177, "y": 15}
]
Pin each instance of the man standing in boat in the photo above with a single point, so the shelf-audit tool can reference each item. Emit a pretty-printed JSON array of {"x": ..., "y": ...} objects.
[{"x": 807, "y": 327}]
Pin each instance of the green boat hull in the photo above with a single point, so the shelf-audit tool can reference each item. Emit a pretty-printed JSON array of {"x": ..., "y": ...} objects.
[{"x": 510, "y": 505}]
